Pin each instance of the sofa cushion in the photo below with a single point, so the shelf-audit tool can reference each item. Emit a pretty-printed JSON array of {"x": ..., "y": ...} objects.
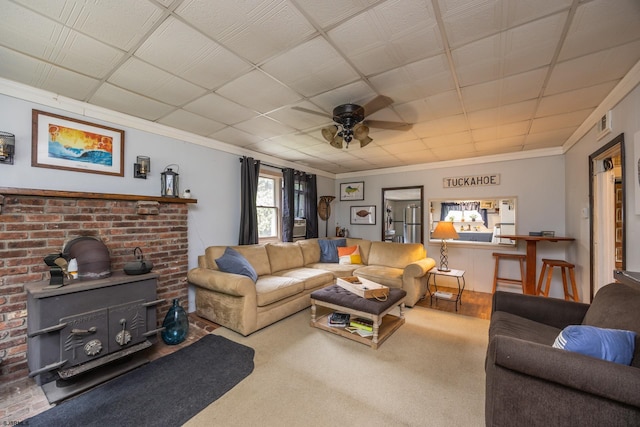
[
  {"x": 329, "y": 249},
  {"x": 349, "y": 255},
  {"x": 615, "y": 306},
  {"x": 312, "y": 277},
  {"x": 270, "y": 289},
  {"x": 257, "y": 256},
  {"x": 310, "y": 250},
  {"x": 396, "y": 255},
  {"x": 338, "y": 270},
  {"x": 387, "y": 276},
  {"x": 613, "y": 345},
  {"x": 514, "y": 326},
  {"x": 232, "y": 262},
  {"x": 364, "y": 246},
  {"x": 284, "y": 256}
]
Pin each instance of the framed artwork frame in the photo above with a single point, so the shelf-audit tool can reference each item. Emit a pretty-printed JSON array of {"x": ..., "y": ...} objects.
[
  {"x": 363, "y": 215},
  {"x": 59, "y": 142},
  {"x": 352, "y": 191}
]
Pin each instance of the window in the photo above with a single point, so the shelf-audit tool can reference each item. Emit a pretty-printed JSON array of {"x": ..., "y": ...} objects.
[
  {"x": 299, "y": 194},
  {"x": 268, "y": 204}
]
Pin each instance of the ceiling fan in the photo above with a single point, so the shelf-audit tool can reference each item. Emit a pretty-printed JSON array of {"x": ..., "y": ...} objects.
[{"x": 350, "y": 122}]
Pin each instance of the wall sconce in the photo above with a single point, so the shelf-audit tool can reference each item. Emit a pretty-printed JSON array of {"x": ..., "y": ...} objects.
[
  {"x": 169, "y": 182},
  {"x": 7, "y": 147},
  {"x": 142, "y": 167}
]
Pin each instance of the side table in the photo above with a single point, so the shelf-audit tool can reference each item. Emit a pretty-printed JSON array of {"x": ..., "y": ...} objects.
[{"x": 438, "y": 295}]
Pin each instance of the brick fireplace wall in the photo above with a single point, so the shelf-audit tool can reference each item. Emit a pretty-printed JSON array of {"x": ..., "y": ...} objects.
[{"x": 35, "y": 223}]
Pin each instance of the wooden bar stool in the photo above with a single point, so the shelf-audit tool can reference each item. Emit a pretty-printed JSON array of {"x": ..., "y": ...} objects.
[
  {"x": 564, "y": 266},
  {"x": 496, "y": 275}
]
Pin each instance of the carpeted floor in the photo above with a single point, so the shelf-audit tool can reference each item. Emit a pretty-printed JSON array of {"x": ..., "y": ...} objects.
[
  {"x": 428, "y": 373},
  {"x": 165, "y": 392}
]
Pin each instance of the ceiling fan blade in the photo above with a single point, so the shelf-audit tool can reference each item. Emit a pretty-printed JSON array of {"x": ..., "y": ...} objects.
[
  {"x": 382, "y": 124},
  {"x": 317, "y": 113},
  {"x": 376, "y": 104}
]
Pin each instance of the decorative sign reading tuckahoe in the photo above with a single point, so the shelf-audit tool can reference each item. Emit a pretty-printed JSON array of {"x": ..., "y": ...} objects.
[{"x": 471, "y": 181}]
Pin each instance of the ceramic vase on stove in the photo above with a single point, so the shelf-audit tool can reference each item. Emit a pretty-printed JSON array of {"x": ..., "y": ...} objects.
[{"x": 176, "y": 324}]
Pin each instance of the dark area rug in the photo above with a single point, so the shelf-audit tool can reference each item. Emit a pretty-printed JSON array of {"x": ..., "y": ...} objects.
[{"x": 166, "y": 392}]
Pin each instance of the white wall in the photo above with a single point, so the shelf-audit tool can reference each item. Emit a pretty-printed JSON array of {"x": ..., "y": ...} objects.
[
  {"x": 537, "y": 183},
  {"x": 625, "y": 118}
]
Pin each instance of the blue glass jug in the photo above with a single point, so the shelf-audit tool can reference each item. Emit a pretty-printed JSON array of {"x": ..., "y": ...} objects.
[{"x": 176, "y": 324}]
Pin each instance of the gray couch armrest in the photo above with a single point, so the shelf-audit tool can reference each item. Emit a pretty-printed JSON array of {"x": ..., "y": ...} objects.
[
  {"x": 549, "y": 311},
  {"x": 582, "y": 373},
  {"x": 226, "y": 283}
]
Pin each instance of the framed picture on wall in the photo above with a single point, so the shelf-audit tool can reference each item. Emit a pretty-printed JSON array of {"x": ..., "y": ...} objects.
[
  {"x": 75, "y": 145},
  {"x": 363, "y": 215},
  {"x": 352, "y": 191}
]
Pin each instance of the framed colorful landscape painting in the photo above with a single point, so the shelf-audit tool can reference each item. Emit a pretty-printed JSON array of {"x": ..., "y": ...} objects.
[{"x": 63, "y": 143}]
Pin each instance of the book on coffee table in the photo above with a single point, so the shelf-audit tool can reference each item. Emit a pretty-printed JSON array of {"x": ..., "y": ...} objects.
[{"x": 339, "y": 320}]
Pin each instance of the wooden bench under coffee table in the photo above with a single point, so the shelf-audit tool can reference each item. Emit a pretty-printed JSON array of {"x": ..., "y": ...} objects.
[{"x": 341, "y": 300}]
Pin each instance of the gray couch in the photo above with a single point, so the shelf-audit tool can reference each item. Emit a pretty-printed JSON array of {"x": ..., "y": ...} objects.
[
  {"x": 289, "y": 272},
  {"x": 528, "y": 382}
]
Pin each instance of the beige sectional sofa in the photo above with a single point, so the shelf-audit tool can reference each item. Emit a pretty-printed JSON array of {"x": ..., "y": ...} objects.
[{"x": 289, "y": 272}]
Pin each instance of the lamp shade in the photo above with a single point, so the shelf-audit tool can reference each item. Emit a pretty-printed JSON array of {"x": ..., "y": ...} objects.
[{"x": 445, "y": 230}]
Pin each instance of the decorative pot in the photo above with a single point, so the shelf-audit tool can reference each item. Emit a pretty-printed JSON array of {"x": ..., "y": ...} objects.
[{"x": 176, "y": 324}]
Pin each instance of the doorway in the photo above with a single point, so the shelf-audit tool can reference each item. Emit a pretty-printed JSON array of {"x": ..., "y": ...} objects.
[{"x": 607, "y": 213}]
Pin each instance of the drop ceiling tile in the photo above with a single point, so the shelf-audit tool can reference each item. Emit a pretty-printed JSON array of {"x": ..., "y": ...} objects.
[
  {"x": 204, "y": 63},
  {"x": 449, "y": 140},
  {"x": 574, "y": 100},
  {"x": 258, "y": 91},
  {"x": 119, "y": 23},
  {"x": 254, "y": 30},
  {"x": 330, "y": 12},
  {"x": 301, "y": 120},
  {"x": 391, "y": 34},
  {"x": 443, "y": 126},
  {"x": 33, "y": 72},
  {"x": 498, "y": 143},
  {"x": 268, "y": 147},
  {"x": 311, "y": 68},
  {"x": 466, "y": 21},
  {"x": 454, "y": 152},
  {"x": 417, "y": 157},
  {"x": 546, "y": 139},
  {"x": 518, "y": 50},
  {"x": 432, "y": 107},
  {"x": 35, "y": 35},
  {"x": 511, "y": 113},
  {"x": 600, "y": 25},
  {"x": 181, "y": 119},
  {"x": 596, "y": 68},
  {"x": 235, "y": 137},
  {"x": 501, "y": 132},
  {"x": 118, "y": 99},
  {"x": 510, "y": 90},
  {"x": 417, "y": 80},
  {"x": 145, "y": 79},
  {"x": 385, "y": 137},
  {"x": 560, "y": 121},
  {"x": 295, "y": 141},
  {"x": 263, "y": 127},
  {"x": 215, "y": 107},
  {"x": 403, "y": 147}
]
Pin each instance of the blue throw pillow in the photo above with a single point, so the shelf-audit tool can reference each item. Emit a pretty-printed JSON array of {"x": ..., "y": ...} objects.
[
  {"x": 233, "y": 262},
  {"x": 614, "y": 345},
  {"x": 329, "y": 249}
]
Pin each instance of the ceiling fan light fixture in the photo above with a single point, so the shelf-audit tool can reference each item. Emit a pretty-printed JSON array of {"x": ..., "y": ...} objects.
[
  {"x": 336, "y": 142},
  {"x": 329, "y": 133},
  {"x": 360, "y": 131},
  {"x": 365, "y": 141}
]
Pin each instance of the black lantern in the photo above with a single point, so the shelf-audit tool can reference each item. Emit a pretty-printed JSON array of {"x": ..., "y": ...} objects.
[{"x": 169, "y": 182}]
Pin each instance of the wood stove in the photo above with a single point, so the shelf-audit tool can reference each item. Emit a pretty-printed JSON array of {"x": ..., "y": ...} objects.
[{"x": 89, "y": 331}]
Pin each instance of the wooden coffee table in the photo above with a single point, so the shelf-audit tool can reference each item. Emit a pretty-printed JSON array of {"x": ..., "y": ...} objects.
[{"x": 338, "y": 299}]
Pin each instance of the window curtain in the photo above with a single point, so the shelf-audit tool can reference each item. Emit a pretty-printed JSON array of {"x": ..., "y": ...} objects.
[
  {"x": 288, "y": 200},
  {"x": 290, "y": 178},
  {"x": 249, "y": 173},
  {"x": 311, "y": 207}
]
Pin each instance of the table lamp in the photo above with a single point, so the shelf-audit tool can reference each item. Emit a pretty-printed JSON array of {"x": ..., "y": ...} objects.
[{"x": 444, "y": 230}]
